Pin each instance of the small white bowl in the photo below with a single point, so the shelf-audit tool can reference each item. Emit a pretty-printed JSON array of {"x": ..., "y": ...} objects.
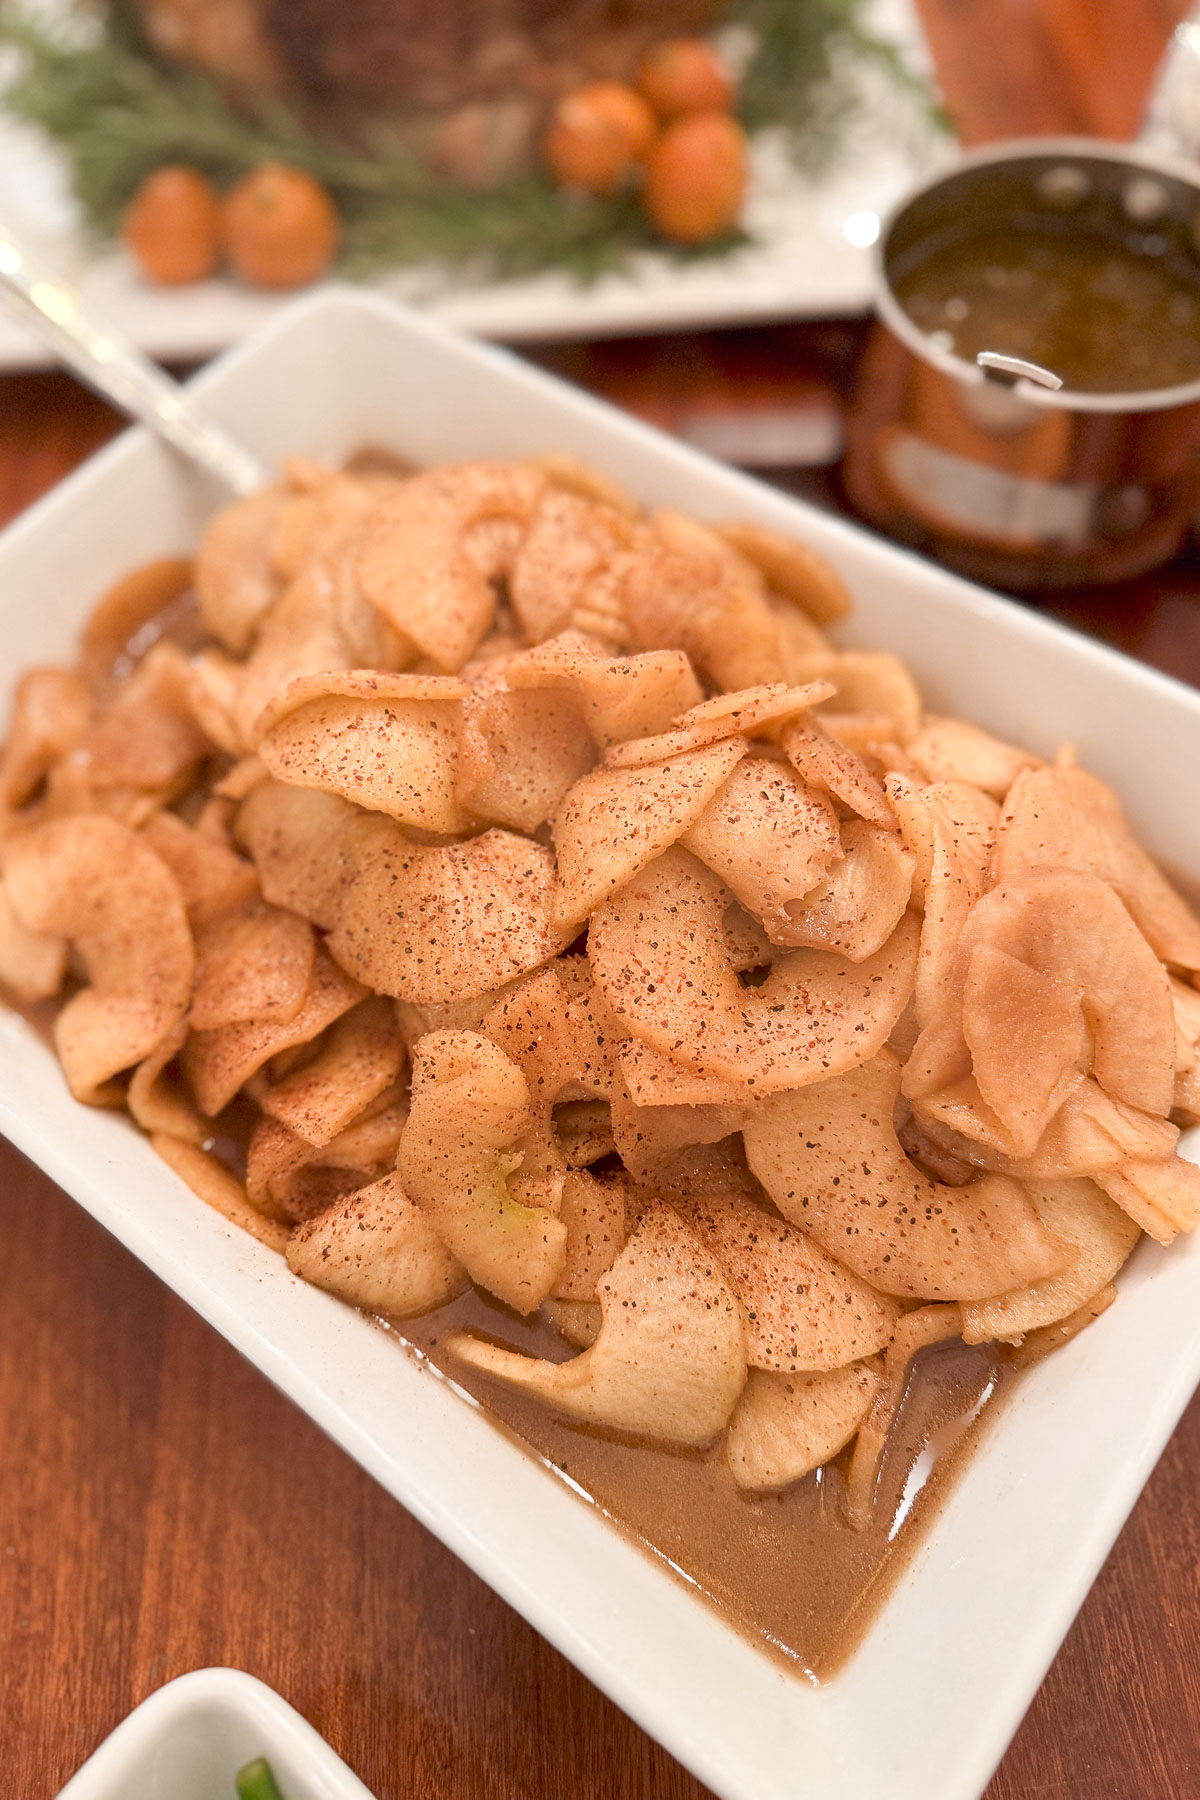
[
  {"x": 188, "y": 1741},
  {"x": 925, "y": 1707}
]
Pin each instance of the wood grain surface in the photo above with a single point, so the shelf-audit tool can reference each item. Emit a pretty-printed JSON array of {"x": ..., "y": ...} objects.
[{"x": 162, "y": 1508}]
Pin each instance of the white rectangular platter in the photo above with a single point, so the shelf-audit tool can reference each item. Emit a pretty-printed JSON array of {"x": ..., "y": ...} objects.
[
  {"x": 810, "y": 256},
  {"x": 924, "y": 1709}
]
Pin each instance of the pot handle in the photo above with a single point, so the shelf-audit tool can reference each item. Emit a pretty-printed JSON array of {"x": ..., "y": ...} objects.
[{"x": 1171, "y": 122}]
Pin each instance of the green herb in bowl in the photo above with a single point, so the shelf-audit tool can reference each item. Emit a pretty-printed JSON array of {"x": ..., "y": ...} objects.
[{"x": 256, "y": 1782}]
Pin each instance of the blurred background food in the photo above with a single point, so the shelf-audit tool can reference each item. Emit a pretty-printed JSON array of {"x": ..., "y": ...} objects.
[
  {"x": 506, "y": 136},
  {"x": 421, "y": 54}
]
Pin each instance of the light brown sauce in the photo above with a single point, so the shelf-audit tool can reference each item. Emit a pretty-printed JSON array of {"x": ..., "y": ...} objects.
[
  {"x": 1103, "y": 314},
  {"x": 786, "y": 1570}
]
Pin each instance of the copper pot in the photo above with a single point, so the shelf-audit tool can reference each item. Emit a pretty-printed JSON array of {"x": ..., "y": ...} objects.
[{"x": 1016, "y": 484}]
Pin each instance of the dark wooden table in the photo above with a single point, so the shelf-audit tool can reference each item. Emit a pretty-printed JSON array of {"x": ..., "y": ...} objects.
[{"x": 162, "y": 1508}]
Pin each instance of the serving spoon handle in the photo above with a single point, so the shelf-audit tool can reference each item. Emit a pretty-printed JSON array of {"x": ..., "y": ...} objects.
[{"x": 116, "y": 369}]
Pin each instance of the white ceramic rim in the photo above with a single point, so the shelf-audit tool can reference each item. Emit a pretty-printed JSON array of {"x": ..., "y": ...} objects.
[{"x": 150, "y": 1727}]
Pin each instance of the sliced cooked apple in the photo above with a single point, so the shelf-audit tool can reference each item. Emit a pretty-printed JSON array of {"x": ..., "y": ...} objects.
[
  {"x": 746, "y": 943},
  {"x": 1027, "y": 1036},
  {"x": 1090, "y": 1131},
  {"x": 594, "y": 1213},
  {"x": 1066, "y": 924},
  {"x": 1092, "y": 1125},
  {"x": 322, "y": 621},
  {"x": 568, "y": 475},
  {"x": 669, "y": 1362},
  {"x": 955, "y": 751},
  {"x": 1039, "y": 1344},
  {"x": 856, "y": 909},
  {"x": 424, "y": 923},
  {"x": 792, "y": 569},
  {"x": 584, "y": 1132},
  {"x": 770, "y": 840},
  {"x": 556, "y": 1029},
  {"x": 1070, "y": 927},
  {"x": 677, "y": 599},
  {"x": 212, "y": 1182},
  {"x": 470, "y": 1105},
  {"x": 828, "y": 766},
  {"x": 785, "y": 1426},
  {"x": 218, "y": 1062},
  {"x": 289, "y": 1178},
  {"x": 1067, "y": 819},
  {"x": 432, "y": 923},
  {"x": 388, "y": 743},
  {"x": 614, "y": 821},
  {"x": 1186, "y": 1001},
  {"x": 159, "y": 1104},
  {"x": 234, "y": 785},
  {"x": 362, "y": 1059},
  {"x": 869, "y": 735},
  {"x": 52, "y": 710},
  {"x": 415, "y": 565},
  {"x": 950, "y": 829},
  {"x": 235, "y": 580},
  {"x": 649, "y": 1138},
  {"x": 659, "y": 956},
  {"x": 210, "y": 682},
  {"x": 95, "y": 882},
  {"x": 377, "y": 1250},
  {"x": 449, "y": 1015},
  {"x": 680, "y": 531},
  {"x": 253, "y": 962},
  {"x": 303, "y": 844},
  {"x": 760, "y": 711},
  {"x": 617, "y": 697},
  {"x": 656, "y": 1082},
  {"x": 869, "y": 681},
  {"x": 212, "y": 877},
  {"x": 1077, "y": 1213},
  {"x": 32, "y": 963},
  {"x": 568, "y": 548},
  {"x": 1162, "y": 1197},
  {"x": 830, "y": 1159},
  {"x": 146, "y": 739},
  {"x": 578, "y": 1321},
  {"x": 541, "y": 1168},
  {"x": 1185, "y": 1109},
  {"x": 520, "y": 755},
  {"x": 798, "y": 636},
  {"x": 804, "y": 1309}
]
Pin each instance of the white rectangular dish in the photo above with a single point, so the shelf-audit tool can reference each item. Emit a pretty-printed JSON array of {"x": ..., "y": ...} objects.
[
  {"x": 188, "y": 1740},
  {"x": 925, "y": 1708}
]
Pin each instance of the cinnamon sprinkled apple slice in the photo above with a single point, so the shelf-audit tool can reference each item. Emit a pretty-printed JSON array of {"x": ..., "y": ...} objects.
[
  {"x": 470, "y": 1107},
  {"x": 669, "y": 1362}
]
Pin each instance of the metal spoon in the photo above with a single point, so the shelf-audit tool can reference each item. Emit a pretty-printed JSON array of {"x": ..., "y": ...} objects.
[
  {"x": 116, "y": 369},
  {"x": 1013, "y": 369}
]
